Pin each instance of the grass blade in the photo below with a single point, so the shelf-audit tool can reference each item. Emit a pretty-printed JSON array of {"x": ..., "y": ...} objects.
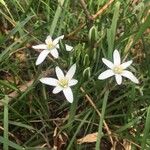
[
  {"x": 12, "y": 144},
  {"x": 143, "y": 27},
  {"x": 5, "y": 5},
  {"x": 146, "y": 129},
  {"x": 5, "y": 144},
  {"x": 111, "y": 33},
  {"x": 99, "y": 136},
  {"x": 78, "y": 129},
  {"x": 56, "y": 17}
]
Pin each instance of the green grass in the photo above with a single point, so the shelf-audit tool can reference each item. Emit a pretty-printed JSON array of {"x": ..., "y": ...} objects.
[{"x": 31, "y": 116}]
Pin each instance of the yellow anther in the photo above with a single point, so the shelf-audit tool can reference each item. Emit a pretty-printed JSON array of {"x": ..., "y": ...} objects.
[
  {"x": 117, "y": 69},
  {"x": 63, "y": 83},
  {"x": 50, "y": 45}
]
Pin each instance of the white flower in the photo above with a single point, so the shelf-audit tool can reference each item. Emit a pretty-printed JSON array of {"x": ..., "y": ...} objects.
[
  {"x": 50, "y": 46},
  {"x": 63, "y": 83},
  {"x": 117, "y": 69}
]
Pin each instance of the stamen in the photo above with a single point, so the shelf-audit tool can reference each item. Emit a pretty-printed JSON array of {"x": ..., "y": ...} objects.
[
  {"x": 50, "y": 45},
  {"x": 63, "y": 82},
  {"x": 117, "y": 69}
]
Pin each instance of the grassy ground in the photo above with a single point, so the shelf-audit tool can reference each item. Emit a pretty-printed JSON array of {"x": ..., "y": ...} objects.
[{"x": 31, "y": 117}]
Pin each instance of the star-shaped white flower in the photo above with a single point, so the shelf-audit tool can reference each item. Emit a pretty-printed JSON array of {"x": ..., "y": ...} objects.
[
  {"x": 63, "y": 83},
  {"x": 117, "y": 69},
  {"x": 50, "y": 46}
]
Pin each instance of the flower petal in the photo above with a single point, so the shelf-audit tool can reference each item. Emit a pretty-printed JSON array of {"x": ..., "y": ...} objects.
[
  {"x": 68, "y": 48},
  {"x": 40, "y": 46},
  {"x": 59, "y": 73},
  {"x": 54, "y": 53},
  {"x": 57, "y": 46},
  {"x": 42, "y": 56},
  {"x": 126, "y": 64},
  {"x": 49, "y": 81},
  {"x": 116, "y": 57},
  {"x": 48, "y": 40},
  {"x": 71, "y": 72},
  {"x": 130, "y": 76},
  {"x": 68, "y": 94},
  {"x": 118, "y": 78},
  {"x": 106, "y": 74},
  {"x": 57, "y": 39},
  {"x": 72, "y": 82},
  {"x": 108, "y": 63},
  {"x": 57, "y": 89}
]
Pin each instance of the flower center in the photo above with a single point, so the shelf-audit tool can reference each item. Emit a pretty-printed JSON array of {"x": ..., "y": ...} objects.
[
  {"x": 117, "y": 69},
  {"x": 50, "y": 45},
  {"x": 63, "y": 82}
]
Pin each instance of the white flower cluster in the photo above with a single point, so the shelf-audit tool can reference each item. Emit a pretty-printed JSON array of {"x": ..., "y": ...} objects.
[{"x": 64, "y": 82}]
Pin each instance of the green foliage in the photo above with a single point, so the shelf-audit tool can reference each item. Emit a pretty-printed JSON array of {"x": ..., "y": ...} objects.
[{"x": 31, "y": 116}]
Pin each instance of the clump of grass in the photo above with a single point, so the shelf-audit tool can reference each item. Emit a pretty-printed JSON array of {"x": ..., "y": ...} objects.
[{"x": 31, "y": 116}]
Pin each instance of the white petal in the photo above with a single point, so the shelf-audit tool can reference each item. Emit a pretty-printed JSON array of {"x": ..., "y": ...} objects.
[
  {"x": 68, "y": 94},
  {"x": 68, "y": 48},
  {"x": 57, "y": 46},
  {"x": 54, "y": 53},
  {"x": 126, "y": 64},
  {"x": 48, "y": 40},
  {"x": 108, "y": 63},
  {"x": 57, "y": 89},
  {"x": 57, "y": 39},
  {"x": 106, "y": 74},
  {"x": 71, "y": 72},
  {"x": 59, "y": 73},
  {"x": 130, "y": 76},
  {"x": 118, "y": 78},
  {"x": 42, "y": 56},
  {"x": 49, "y": 81},
  {"x": 116, "y": 58},
  {"x": 40, "y": 46},
  {"x": 73, "y": 82}
]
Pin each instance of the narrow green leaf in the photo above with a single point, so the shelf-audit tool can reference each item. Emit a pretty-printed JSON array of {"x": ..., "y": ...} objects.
[
  {"x": 77, "y": 130},
  {"x": 56, "y": 17},
  {"x": 111, "y": 33},
  {"x": 5, "y": 144},
  {"x": 20, "y": 25},
  {"x": 20, "y": 124},
  {"x": 87, "y": 72},
  {"x": 128, "y": 125},
  {"x": 100, "y": 133},
  {"x": 142, "y": 28},
  {"x": 93, "y": 35},
  {"x": 7, "y": 84},
  {"x": 12, "y": 144},
  {"x": 146, "y": 130},
  {"x": 3, "y": 3}
]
